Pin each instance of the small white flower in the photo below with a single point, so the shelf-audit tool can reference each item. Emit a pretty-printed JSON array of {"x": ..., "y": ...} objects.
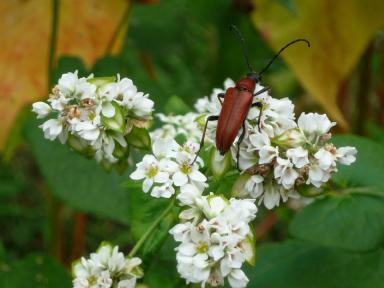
[
  {"x": 313, "y": 123},
  {"x": 149, "y": 170},
  {"x": 52, "y": 128},
  {"x": 106, "y": 268},
  {"x": 166, "y": 190},
  {"x": 284, "y": 173},
  {"x": 254, "y": 186},
  {"x": 189, "y": 195},
  {"x": 42, "y": 109},
  {"x": 325, "y": 158},
  {"x": 317, "y": 176},
  {"x": 298, "y": 156},
  {"x": 267, "y": 154},
  {"x": 237, "y": 279},
  {"x": 87, "y": 130},
  {"x": 346, "y": 155}
]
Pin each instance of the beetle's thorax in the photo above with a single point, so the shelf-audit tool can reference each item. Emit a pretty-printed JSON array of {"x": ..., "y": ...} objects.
[{"x": 246, "y": 84}]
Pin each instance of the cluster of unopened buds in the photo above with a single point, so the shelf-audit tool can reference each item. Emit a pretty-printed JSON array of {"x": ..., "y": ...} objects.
[
  {"x": 277, "y": 157},
  {"x": 106, "y": 268},
  {"x": 95, "y": 116}
]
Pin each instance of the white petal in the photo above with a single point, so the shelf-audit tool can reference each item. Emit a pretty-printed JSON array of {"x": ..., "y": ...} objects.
[
  {"x": 108, "y": 110},
  {"x": 196, "y": 175},
  {"x": 147, "y": 184},
  {"x": 179, "y": 178}
]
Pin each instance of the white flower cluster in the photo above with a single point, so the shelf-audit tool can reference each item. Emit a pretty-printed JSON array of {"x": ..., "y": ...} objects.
[
  {"x": 299, "y": 155},
  {"x": 282, "y": 154},
  {"x": 169, "y": 167},
  {"x": 176, "y": 125},
  {"x": 106, "y": 268},
  {"x": 215, "y": 233},
  {"x": 216, "y": 241},
  {"x": 94, "y": 115}
]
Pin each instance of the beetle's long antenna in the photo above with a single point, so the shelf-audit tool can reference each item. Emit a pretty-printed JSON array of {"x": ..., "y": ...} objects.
[
  {"x": 242, "y": 40},
  {"x": 281, "y": 50}
]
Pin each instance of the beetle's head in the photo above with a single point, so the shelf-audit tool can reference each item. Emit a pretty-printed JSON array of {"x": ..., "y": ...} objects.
[{"x": 254, "y": 77}]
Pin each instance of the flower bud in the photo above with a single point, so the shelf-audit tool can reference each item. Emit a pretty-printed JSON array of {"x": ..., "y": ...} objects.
[
  {"x": 290, "y": 138},
  {"x": 249, "y": 247},
  {"x": 100, "y": 81},
  {"x": 116, "y": 122},
  {"x": 214, "y": 206},
  {"x": 139, "y": 138},
  {"x": 80, "y": 145},
  {"x": 219, "y": 164}
]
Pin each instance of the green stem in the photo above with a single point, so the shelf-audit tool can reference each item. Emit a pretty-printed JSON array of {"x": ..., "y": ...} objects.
[
  {"x": 53, "y": 41},
  {"x": 151, "y": 229}
]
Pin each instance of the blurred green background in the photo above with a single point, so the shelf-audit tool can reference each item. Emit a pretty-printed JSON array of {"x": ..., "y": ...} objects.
[{"x": 55, "y": 205}]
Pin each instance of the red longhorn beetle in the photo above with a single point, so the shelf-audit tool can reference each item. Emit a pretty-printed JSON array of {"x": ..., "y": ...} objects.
[{"x": 237, "y": 102}]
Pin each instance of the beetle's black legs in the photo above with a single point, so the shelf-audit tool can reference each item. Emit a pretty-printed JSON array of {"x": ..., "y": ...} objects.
[
  {"x": 260, "y": 106},
  {"x": 241, "y": 138},
  {"x": 209, "y": 118},
  {"x": 220, "y": 96}
]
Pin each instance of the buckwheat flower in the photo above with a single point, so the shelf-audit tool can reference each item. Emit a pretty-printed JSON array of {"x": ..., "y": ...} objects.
[
  {"x": 262, "y": 143},
  {"x": 166, "y": 190},
  {"x": 273, "y": 194},
  {"x": 346, "y": 155},
  {"x": 325, "y": 158},
  {"x": 298, "y": 156},
  {"x": 52, "y": 129},
  {"x": 317, "y": 176},
  {"x": 284, "y": 172},
  {"x": 149, "y": 170},
  {"x": 255, "y": 186},
  {"x": 218, "y": 245},
  {"x": 187, "y": 172},
  {"x": 42, "y": 109},
  {"x": 237, "y": 278},
  {"x": 87, "y": 130},
  {"x": 70, "y": 85},
  {"x": 314, "y": 124},
  {"x": 106, "y": 268}
]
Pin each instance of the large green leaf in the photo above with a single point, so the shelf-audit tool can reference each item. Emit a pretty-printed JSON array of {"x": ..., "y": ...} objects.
[
  {"x": 34, "y": 272},
  {"x": 81, "y": 183},
  {"x": 368, "y": 170},
  {"x": 303, "y": 265},
  {"x": 352, "y": 221},
  {"x": 164, "y": 263}
]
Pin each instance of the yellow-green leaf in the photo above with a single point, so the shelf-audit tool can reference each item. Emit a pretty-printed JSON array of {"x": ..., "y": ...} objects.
[
  {"x": 339, "y": 32},
  {"x": 85, "y": 29}
]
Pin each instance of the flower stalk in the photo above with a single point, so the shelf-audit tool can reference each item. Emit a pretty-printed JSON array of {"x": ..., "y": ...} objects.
[{"x": 151, "y": 228}]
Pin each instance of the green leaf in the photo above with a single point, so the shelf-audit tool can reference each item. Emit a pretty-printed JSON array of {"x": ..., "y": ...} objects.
[
  {"x": 176, "y": 106},
  {"x": 69, "y": 64},
  {"x": 139, "y": 138},
  {"x": 354, "y": 222},
  {"x": 34, "y": 272},
  {"x": 302, "y": 265},
  {"x": 368, "y": 169},
  {"x": 80, "y": 182},
  {"x": 164, "y": 263}
]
